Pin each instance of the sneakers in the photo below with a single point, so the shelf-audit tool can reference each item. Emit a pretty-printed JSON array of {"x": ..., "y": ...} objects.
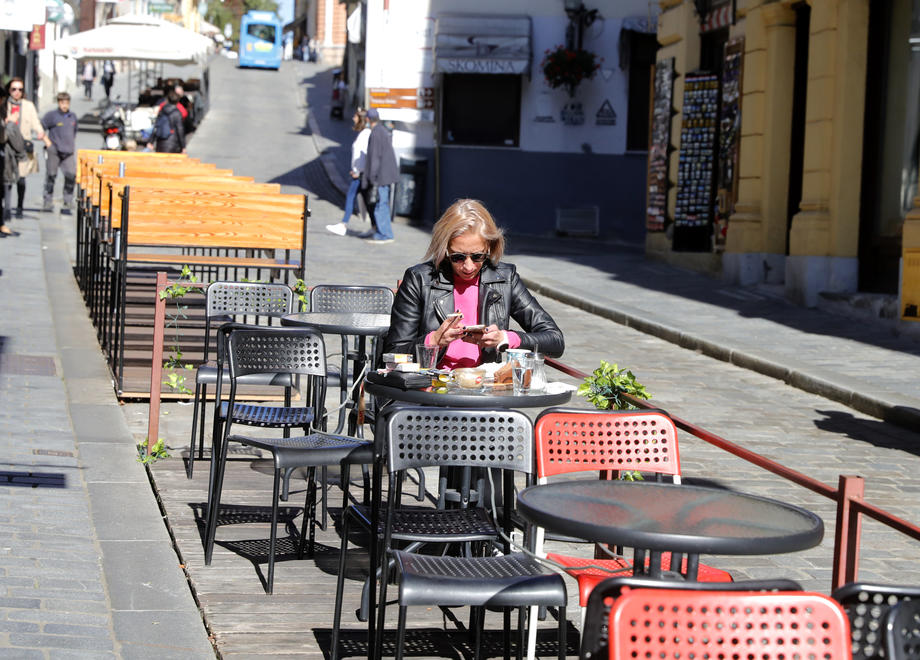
[
  {"x": 48, "y": 207},
  {"x": 380, "y": 241},
  {"x": 66, "y": 209},
  {"x": 339, "y": 229},
  {"x": 366, "y": 234},
  {"x": 18, "y": 213}
]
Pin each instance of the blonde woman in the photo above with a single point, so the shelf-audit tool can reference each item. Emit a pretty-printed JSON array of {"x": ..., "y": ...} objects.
[
  {"x": 21, "y": 112},
  {"x": 463, "y": 271}
]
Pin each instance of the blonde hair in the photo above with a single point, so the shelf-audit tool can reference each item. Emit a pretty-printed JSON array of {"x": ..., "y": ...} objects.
[{"x": 464, "y": 216}]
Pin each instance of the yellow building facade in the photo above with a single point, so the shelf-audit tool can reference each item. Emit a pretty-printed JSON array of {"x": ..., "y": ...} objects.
[{"x": 824, "y": 196}]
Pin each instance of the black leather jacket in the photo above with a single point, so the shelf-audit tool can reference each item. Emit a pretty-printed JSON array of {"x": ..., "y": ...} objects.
[{"x": 426, "y": 297}]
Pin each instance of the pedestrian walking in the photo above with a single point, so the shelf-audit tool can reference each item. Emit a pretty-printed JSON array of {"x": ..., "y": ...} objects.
[
  {"x": 381, "y": 172},
  {"x": 358, "y": 159},
  {"x": 14, "y": 151},
  {"x": 22, "y": 112},
  {"x": 60, "y": 151},
  {"x": 168, "y": 130},
  {"x": 88, "y": 77},
  {"x": 108, "y": 77}
]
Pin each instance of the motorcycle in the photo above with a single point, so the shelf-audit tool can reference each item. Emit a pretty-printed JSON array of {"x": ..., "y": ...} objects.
[{"x": 113, "y": 127}]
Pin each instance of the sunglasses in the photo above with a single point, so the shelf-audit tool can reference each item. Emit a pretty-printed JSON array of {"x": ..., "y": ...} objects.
[
  {"x": 15, "y": 89},
  {"x": 460, "y": 257}
]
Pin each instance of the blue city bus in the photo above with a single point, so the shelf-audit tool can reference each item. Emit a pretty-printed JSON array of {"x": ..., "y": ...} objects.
[{"x": 260, "y": 40}]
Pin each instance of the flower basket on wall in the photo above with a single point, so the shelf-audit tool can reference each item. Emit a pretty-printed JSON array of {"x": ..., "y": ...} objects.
[{"x": 567, "y": 67}]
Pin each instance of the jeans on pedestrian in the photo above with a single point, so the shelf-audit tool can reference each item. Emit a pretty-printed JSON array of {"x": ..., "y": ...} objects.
[
  {"x": 68, "y": 166},
  {"x": 7, "y": 203},
  {"x": 350, "y": 198},
  {"x": 381, "y": 213},
  {"x": 88, "y": 89}
]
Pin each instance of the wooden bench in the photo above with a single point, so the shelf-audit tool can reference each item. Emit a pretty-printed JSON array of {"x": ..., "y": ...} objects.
[{"x": 221, "y": 242}]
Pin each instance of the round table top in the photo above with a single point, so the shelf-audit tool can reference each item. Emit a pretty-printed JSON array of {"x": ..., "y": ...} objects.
[
  {"x": 463, "y": 398},
  {"x": 680, "y": 518},
  {"x": 343, "y": 323}
]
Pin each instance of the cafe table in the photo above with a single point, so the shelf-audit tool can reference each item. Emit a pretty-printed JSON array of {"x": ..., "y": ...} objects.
[
  {"x": 347, "y": 324},
  {"x": 661, "y": 517},
  {"x": 484, "y": 397}
]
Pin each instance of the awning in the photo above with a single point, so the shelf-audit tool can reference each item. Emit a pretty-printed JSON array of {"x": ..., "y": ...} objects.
[
  {"x": 482, "y": 44},
  {"x": 297, "y": 22}
]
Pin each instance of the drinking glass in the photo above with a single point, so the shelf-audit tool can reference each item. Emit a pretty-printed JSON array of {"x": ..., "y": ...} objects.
[
  {"x": 426, "y": 356},
  {"x": 521, "y": 372}
]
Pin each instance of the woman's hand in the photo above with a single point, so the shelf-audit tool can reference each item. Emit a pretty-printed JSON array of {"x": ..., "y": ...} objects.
[
  {"x": 490, "y": 337},
  {"x": 451, "y": 329}
]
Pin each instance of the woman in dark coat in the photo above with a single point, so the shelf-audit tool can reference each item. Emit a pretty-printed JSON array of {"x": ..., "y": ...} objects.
[
  {"x": 13, "y": 149},
  {"x": 463, "y": 272}
]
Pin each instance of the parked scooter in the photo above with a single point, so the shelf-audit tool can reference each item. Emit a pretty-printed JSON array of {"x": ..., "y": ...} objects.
[{"x": 113, "y": 127}]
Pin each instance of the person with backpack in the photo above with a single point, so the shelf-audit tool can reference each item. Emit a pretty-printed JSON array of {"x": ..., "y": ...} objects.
[{"x": 168, "y": 131}]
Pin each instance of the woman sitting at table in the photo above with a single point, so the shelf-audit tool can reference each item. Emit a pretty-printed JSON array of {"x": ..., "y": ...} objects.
[{"x": 463, "y": 272}]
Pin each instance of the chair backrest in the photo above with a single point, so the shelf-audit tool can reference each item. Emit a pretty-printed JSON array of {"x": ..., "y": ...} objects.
[
  {"x": 276, "y": 350},
  {"x": 594, "y": 637},
  {"x": 867, "y": 606},
  {"x": 351, "y": 298},
  {"x": 653, "y": 623},
  {"x": 234, "y": 299},
  {"x": 420, "y": 437},
  {"x": 573, "y": 440},
  {"x": 249, "y": 298},
  {"x": 902, "y": 631}
]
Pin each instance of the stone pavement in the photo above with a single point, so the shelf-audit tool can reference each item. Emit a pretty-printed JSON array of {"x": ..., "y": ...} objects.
[{"x": 87, "y": 568}]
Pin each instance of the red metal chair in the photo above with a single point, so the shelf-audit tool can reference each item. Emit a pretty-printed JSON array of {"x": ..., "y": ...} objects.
[
  {"x": 674, "y": 623},
  {"x": 607, "y": 442}
]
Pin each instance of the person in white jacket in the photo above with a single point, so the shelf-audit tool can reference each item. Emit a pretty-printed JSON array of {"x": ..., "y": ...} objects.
[{"x": 358, "y": 156}]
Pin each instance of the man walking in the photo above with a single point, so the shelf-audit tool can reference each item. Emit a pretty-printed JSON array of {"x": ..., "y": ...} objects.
[
  {"x": 60, "y": 151},
  {"x": 108, "y": 77},
  {"x": 379, "y": 175}
]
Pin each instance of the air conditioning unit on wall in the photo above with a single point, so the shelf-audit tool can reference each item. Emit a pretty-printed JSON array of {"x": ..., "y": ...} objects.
[{"x": 582, "y": 221}]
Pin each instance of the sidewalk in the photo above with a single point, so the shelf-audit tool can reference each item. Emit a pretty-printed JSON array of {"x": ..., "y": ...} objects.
[
  {"x": 861, "y": 363},
  {"x": 87, "y": 565}
]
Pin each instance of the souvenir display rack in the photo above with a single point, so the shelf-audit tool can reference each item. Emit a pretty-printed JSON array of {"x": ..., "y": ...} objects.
[
  {"x": 659, "y": 147},
  {"x": 729, "y": 136}
]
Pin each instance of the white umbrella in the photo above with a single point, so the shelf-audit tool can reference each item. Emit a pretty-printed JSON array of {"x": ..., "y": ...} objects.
[{"x": 135, "y": 37}]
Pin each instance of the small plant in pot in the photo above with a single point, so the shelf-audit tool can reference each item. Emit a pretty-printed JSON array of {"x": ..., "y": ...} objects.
[{"x": 605, "y": 388}]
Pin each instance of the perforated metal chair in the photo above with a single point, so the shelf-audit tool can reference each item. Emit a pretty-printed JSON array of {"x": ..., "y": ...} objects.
[
  {"x": 294, "y": 351},
  {"x": 607, "y": 442},
  {"x": 594, "y": 634},
  {"x": 349, "y": 298},
  {"x": 902, "y": 631},
  {"x": 490, "y": 440},
  {"x": 234, "y": 301},
  {"x": 867, "y": 606},
  {"x": 675, "y": 623}
]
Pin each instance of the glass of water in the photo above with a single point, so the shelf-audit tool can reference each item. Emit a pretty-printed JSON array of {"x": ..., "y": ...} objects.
[{"x": 521, "y": 372}]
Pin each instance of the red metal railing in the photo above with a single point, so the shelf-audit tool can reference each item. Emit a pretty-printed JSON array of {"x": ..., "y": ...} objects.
[{"x": 848, "y": 494}]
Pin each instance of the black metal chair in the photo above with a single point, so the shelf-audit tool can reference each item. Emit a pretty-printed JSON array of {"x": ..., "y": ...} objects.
[
  {"x": 493, "y": 441},
  {"x": 902, "y": 631},
  {"x": 349, "y": 298},
  {"x": 595, "y": 635},
  {"x": 867, "y": 606},
  {"x": 228, "y": 301},
  {"x": 294, "y": 351}
]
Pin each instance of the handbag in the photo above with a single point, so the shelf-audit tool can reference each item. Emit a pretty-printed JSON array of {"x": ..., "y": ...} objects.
[
  {"x": 372, "y": 195},
  {"x": 30, "y": 147}
]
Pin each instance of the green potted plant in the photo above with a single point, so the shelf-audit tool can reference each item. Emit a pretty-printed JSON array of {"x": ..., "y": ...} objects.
[
  {"x": 567, "y": 67},
  {"x": 605, "y": 388},
  {"x": 606, "y": 385}
]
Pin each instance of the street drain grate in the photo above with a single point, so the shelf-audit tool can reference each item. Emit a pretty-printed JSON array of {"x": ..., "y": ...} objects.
[
  {"x": 27, "y": 365},
  {"x": 51, "y": 452}
]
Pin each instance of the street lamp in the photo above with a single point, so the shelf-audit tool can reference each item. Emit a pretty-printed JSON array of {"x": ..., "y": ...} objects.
[{"x": 579, "y": 19}]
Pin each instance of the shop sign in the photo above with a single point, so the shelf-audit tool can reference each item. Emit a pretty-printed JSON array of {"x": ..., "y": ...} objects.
[
  {"x": 420, "y": 98},
  {"x": 160, "y": 7},
  {"x": 37, "y": 37},
  {"x": 476, "y": 65}
]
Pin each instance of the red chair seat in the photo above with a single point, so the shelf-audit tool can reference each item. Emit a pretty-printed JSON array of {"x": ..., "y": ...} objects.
[{"x": 594, "y": 571}]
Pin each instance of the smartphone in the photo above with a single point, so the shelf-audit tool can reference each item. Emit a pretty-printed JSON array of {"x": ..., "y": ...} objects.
[
  {"x": 474, "y": 329},
  {"x": 454, "y": 316}
]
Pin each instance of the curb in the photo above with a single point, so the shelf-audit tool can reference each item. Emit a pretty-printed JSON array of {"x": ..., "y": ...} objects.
[{"x": 823, "y": 386}]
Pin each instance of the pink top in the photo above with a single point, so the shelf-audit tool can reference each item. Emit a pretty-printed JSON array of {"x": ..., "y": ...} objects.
[{"x": 462, "y": 353}]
